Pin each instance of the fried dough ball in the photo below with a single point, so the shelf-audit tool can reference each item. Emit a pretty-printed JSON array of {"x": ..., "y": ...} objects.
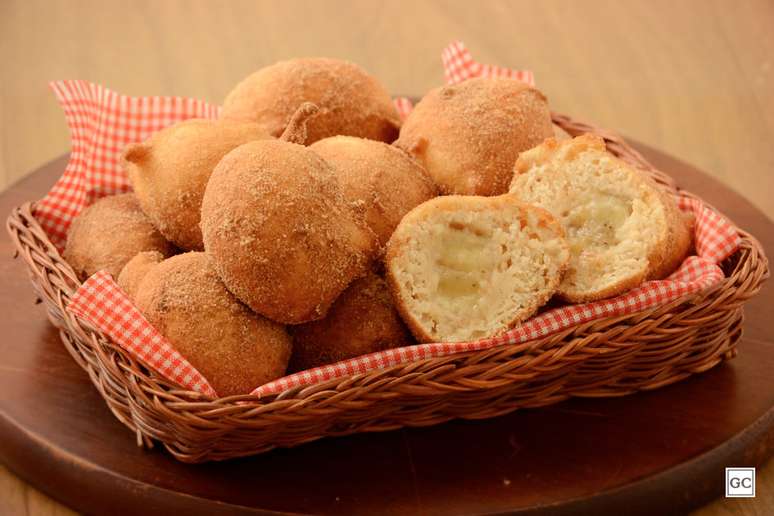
[
  {"x": 109, "y": 233},
  {"x": 279, "y": 231},
  {"x": 234, "y": 348},
  {"x": 135, "y": 270},
  {"x": 362, "y": 320},
  {"x": 351, "y": 101},
  {"x": 385, "y": 181},
  {"x": 463, "y": 268},
  {"x": 170, "y": 170},
  {"x": 469, "y": 135},
  {"x": 622, "y": 227}
]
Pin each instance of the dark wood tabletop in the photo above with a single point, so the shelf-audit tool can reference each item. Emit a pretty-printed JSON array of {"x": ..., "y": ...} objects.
[{"x": 652, "y": 452}]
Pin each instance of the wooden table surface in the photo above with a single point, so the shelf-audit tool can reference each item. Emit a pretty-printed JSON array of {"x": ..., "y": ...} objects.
[{"x": 693, "y": 78}]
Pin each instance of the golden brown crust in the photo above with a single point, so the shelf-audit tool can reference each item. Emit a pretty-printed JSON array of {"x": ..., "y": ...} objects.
[
  {"x": 234, "y": 348},
  {"x": 469, "y": 135},
  {"x": 380, "y": 179},
  {"x": 613, "y": 290},
  {"x": 135, "y": 270},
  {"x": 351, "y": 101},
  {"x": 544, "y": 153},
  {"x": 107, "y": 234},
  {"x": 280, "y": 233},
  {"x": 679, "y": 243},
  {"x": 170, "y": 170},
  {"x": 362, "y": 320},
  {"x": 416, "y": 329},
  {"x": 471, "y": 204}
]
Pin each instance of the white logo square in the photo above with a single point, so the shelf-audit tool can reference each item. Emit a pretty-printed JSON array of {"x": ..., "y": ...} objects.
[{"x": 740, "y": 482}]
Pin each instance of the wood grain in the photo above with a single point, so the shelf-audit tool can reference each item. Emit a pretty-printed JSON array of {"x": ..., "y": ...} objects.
[{"x": 693, "y": 78}]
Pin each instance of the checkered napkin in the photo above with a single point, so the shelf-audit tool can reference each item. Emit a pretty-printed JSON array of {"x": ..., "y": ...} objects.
[
  {"x": 103, "y": 122},
  {"x": 100, "y": 301}
]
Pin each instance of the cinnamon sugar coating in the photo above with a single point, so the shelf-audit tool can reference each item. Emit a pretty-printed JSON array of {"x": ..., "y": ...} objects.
[
  {"x": 362, "y": 320},
  {"x": 351, "y": 101},
  {"x": 469, "y": 135},
  {"x": 135, "y": 270},
  {"x": 381, "y": 179},
  {"x": 280, "y": 233},
  {"x": 234, "y": 348},
  {"x": 107, "y": 234},
  {"x": 170, "y": 170}
]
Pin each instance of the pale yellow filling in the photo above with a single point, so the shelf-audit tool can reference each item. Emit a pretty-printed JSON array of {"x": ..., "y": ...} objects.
[
  {"x": 463, "y": 262},
  {"x": 595, "y": 222}
]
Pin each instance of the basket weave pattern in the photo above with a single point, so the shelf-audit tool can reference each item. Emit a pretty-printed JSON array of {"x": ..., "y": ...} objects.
[{"x": 614, "y": 356}]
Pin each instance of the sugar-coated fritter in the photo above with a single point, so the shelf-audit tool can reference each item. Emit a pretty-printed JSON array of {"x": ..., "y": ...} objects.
[
  {"x": 463, "y": 268},
  {"x": 622, "y": 227},
  {"x": 170, "y": 170},
  {"x": 469, "y": 135},
  {"x": 135, "y": 270},
  {"x": 109, "y": 233},
  {"x": 278, "y": 230},
  {"x": 234, "y": 348},
  {"x": 351, "y": 101},
  {"x": 381, "y": 179},
  {"x": 362, "y": 320}
]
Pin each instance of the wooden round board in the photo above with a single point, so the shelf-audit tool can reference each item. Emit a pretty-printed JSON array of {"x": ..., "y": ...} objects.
[{"x": 654, "y": 452}]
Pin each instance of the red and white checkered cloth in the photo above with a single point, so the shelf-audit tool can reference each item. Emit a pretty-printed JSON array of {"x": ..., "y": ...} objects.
[
  {"x": 101, "y": 302},
  {"x": 458, "y": 65},
  {"x": 102, "y": 122},
  {"x": 404, "y": 106}
]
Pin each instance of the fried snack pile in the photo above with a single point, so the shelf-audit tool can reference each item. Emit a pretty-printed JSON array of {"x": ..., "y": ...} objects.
[{"x": 316, "y": 233}]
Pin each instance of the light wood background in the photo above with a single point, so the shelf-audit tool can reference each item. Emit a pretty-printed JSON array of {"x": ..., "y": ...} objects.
[{"x": 694, "y": 78}]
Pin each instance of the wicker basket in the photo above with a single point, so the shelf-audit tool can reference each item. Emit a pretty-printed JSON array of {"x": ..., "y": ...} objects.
[{"x": 609, "y": 357}]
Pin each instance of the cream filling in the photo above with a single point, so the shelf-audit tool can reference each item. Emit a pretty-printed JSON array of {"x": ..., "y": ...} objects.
[
  {"x": 595, "y": 223},
  {"x": 463, "y": 264}
]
